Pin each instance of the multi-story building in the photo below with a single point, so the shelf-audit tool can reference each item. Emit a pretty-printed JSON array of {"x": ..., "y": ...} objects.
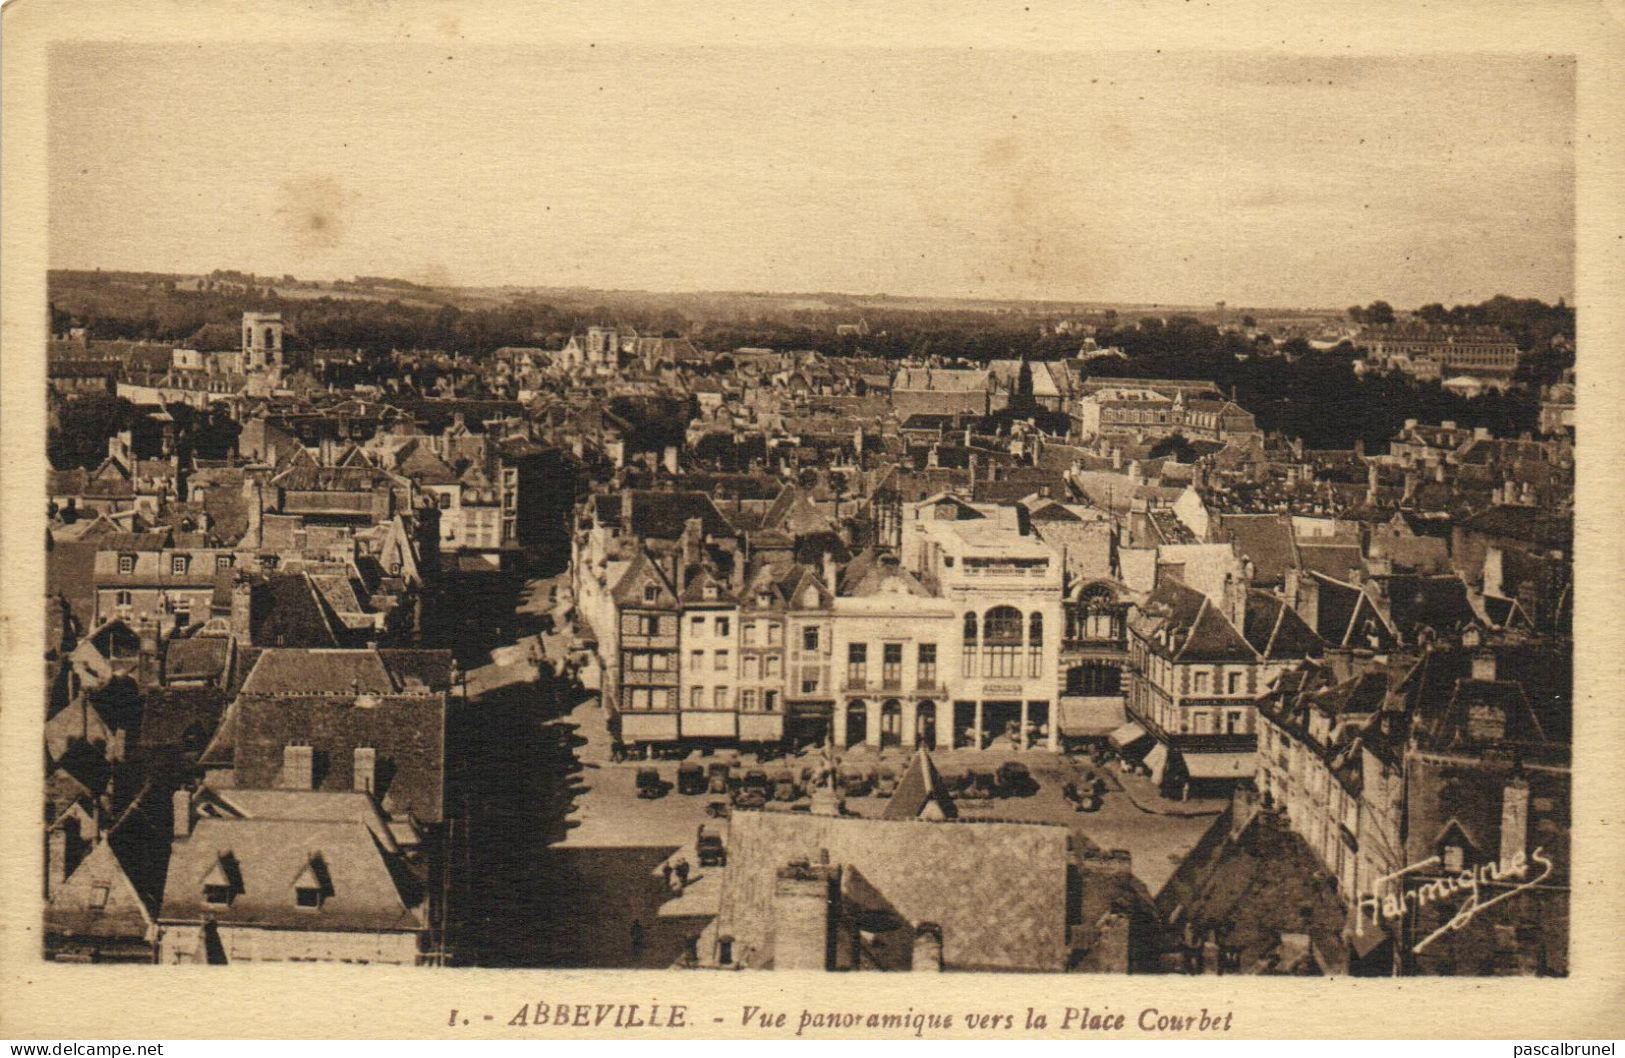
[
  {"x": 1457, "y": 350},
  {"x": 1003, "y": 587},
  {"x": 1200, "y": 665},
  {"x": 708, "y": 683},
  {"x": 641, "y": 679}
]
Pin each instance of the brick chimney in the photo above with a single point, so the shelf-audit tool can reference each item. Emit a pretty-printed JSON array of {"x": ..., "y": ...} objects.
[
  {"x": 365, "y": 768},
  {"x": 927, "y": 955},
  {"x": 56, "y": 860},
  {"x": 1514, "y": 820},
  {"x": 181, "y": 805},
  {"x": 298, "y": 768},
  {"x": 805, "y": 897},
  {"x": 242, "y": 607}
]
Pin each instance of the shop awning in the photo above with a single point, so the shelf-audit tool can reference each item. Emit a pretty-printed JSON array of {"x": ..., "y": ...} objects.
[
  {"x": 1091, "y": 717},
  {"x": 1157, "y": 761},
  {"x": 1127, "y": 735},
  {"x": 1220, "y": 765}
]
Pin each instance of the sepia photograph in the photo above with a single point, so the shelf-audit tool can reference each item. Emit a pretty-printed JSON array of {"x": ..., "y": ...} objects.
[{"x": 581, "y": 503}]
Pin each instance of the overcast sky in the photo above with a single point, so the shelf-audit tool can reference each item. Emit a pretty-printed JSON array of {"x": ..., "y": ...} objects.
[{"x": 1173, "y": 178}]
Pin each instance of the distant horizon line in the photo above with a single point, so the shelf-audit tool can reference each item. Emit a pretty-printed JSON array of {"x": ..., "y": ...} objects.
[{"x": 511, "y": 287}]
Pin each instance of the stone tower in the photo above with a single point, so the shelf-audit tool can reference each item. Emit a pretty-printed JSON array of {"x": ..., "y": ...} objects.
[{"x": 262, "y": 341}]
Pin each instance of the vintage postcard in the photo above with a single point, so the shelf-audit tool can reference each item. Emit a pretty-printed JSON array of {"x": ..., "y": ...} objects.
[{"x": 529, "y": 521}]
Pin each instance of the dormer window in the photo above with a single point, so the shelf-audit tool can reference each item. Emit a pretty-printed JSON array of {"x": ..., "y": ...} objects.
[
  {"x": 220, "y": 884},
  {"x": 709, "y": 591},
  {"x": 222, "y": 562},
  {"x": 126, "y": 563},
  {"x": 1454, "y": 857},
  {"x": 178, "y": 564},
  {"x": 311, "y": 888},
  {"x": 651, "y": 593}
]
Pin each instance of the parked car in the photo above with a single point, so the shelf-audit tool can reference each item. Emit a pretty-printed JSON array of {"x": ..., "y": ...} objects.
[
  {"x": 784, "y": 786},
  {"x": 690, "y": 778},
  {"x": 650, "y": 785},
  {"x": 855, "y": 782},
  {"x": 718, "y": 808},
  {"x": 885, "y": 782},
  {"x": 716, "y": 775},
  {"x": 747, "y": 798},
  {"x": 708, "y": 846},
  {"x": 979, "y": 785},
  {"x": 756, "y": 782},
  {"x": 1015, "y": 780}
]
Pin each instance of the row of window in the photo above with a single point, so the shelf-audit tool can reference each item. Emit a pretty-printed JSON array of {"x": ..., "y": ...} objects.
[
  {"x": 891, "y": 664},
  {"x": 178, "y": 564},
  {"x": 645, "y": 699}
]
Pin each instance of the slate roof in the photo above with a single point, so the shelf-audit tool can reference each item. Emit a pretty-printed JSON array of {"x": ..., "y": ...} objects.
[
  {"x": 262, "y": 858},
  {"x": 1417, "y": 602},
  {"x": 1264, "y": 538},
  {"x": 73, "y": 908},
  {"x": 1189, "y": 627},
  {"x": 1276, "y": 631},
  {"x": 663, "y": 515},
  {"x": 197, "y": 658},
  {"x": 1533, "y": 525},
  {"x": 996, "y": 890},
  {"x": 921, "y": 789}
]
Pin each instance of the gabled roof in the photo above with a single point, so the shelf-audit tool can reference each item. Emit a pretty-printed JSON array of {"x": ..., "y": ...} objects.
[
  {"x": 921, "y": 793},
  {"x": 1276, "y": 631},
  {"x": 704, "y": 587},
  {"x": 99, "y": 900},
  {"x": 643, "y": 572}
]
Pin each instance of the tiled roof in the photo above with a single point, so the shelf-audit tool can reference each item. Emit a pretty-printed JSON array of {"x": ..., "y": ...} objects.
[
  {"x": 663, "y": 515},
  {"x": 996, "y": 890},
  {"x": 198, "y": 658},
  {"x": 261, "y": 858},
  {"x": 1264, "y": 538}
]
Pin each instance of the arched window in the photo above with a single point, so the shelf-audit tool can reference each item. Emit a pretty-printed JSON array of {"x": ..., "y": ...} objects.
[
  {"x": 1002, "y": 625},
  {"x": 1001, "y": 642}
]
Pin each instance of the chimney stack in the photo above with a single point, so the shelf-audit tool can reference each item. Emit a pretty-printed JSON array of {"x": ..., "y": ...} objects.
[
  {"x": 1514, "y": 821},
  {"x": 56, "y": 860},
  {"x": 927, "y": 948},
  {"x": 804, "y": 897},
  {"x": 365, "y": 768},
  {"x": 181, "y": 803},
  {"x": 298, "y": 768}
]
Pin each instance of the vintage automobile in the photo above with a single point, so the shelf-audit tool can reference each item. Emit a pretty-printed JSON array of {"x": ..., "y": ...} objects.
[
  {"x": 709, "y": 848},
  {"x": 784, "y": 786},
  {"x": 650, "y": 784},
  {"x": 716, "y": 777},
  {"x": 690, "y": 778},
  {"x": 755, "y": 781},
  {"x": 979, "y": 784},
  {"x": 855, "y": 781},
  {"x": 718, "y": 808},
  {"x": 1015, "y": 780},
  {"x": 745, "y": 797},
  {"x": 886, "y": 782}
]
